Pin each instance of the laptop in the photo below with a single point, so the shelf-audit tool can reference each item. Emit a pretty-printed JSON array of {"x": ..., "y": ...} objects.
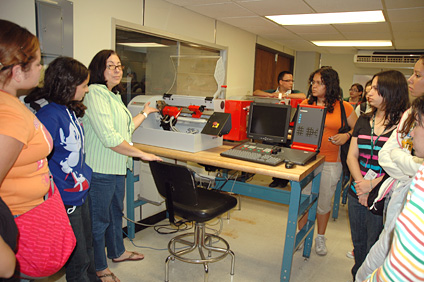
[{"x": 306, "y": 136}]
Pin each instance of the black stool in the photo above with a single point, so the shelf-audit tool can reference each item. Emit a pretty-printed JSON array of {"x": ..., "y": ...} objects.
[{"x": 177, "y": 185}]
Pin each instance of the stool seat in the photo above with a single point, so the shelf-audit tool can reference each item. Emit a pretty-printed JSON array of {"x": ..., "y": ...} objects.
[{"x": 210, "y": 204}]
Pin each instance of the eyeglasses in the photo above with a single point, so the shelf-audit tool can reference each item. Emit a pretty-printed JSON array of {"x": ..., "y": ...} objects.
[
  {"x": 113, "y": 67},
  {"x": 288, "y": 80},
  {"x": 353, "y": 90},
  {"x": 320, "y": 83}
]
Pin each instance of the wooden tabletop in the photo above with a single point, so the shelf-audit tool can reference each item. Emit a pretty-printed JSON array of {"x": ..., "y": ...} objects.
[{"x": 212, "y": 157}]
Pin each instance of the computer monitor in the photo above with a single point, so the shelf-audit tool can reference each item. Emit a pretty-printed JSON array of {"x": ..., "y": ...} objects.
[{"x": 269, "y": 122}]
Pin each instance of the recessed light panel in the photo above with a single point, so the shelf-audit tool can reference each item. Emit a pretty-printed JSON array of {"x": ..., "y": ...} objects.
[{"x": 329, "y": 18}]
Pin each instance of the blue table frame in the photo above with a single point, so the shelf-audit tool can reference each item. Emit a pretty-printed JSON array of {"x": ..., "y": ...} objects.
[{"x": 298, "y": 203}]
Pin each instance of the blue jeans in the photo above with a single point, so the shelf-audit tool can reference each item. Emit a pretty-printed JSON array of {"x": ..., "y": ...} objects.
[
  {"x": 80, "y": 266},
  {"x": 365, "y": 227},
  {"x": 106, "y": 197}
]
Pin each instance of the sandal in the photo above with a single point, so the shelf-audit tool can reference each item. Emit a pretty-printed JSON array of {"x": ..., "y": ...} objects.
[
  {"x": 131, "y": 257},
  {"x": 108, "y": 275}
]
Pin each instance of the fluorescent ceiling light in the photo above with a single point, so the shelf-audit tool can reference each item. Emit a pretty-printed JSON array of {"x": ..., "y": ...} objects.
[
  {"x": 145, "y": 44},
  {"x": 329, "y": 18},
  {"x": 354, "y": 43}
]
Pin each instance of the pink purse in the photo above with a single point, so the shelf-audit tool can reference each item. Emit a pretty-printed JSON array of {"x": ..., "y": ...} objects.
[{"x": 46, "y": 239}]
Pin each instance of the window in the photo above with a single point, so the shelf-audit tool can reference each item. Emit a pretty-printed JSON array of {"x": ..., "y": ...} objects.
[{"x": 155, "y": 65}]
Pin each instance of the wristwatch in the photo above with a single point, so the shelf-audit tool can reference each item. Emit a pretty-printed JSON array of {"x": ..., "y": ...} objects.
[{"x": 143, "y": 113}]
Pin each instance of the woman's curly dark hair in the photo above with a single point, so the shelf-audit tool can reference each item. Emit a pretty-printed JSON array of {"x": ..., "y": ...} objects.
[
  {"x": 97, "y": 69},
  {"x": 393, "y": 88},
  {"x": 330, "y": 78},
  {"x": 61, "y": 79}
]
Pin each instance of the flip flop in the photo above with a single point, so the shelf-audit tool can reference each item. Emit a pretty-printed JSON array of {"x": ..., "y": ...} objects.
[
  {"x": 130, "y": 258},
  {"x": 111, "y": 275}
]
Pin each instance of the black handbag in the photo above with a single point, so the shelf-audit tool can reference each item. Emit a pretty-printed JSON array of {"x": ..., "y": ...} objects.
[{"x": 344, "y": 149}]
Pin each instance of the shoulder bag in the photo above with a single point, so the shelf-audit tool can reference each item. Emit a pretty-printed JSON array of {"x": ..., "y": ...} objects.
[
  {"x": 344, "y": 149},
  {"x": 46, "y": 239}
]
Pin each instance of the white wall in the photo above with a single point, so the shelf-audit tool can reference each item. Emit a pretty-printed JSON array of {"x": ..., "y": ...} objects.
[
  {"x": 93, "y": 24},
  {"x": 241, "y": 58},
  {"x": 21, "y": 12},
  {"x": 305, "y": 64}
]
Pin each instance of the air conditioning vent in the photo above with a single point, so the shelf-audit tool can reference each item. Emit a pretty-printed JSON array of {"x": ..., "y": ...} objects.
[{"x": 386, "y": 61}]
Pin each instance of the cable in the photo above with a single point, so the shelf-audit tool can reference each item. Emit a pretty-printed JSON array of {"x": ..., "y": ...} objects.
[
  {"x": 142, "y": 247},
  {"x": 226, "y": 180},
  {"x": 158, "y": 227}
]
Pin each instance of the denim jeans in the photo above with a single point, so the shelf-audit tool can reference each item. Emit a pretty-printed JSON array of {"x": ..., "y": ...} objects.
[
  {"x": 365, "y": 227},
  {"x": 80, "y": 266},
  {"x": 106, "y": 197}
]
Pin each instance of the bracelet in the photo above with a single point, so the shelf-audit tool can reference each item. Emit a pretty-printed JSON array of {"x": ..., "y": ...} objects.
[
  {"x": 144, "y": 114},
  {"x": 350, "y": 135}
]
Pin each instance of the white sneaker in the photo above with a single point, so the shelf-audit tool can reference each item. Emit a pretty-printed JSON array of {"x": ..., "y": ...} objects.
[
  {"x": 300, "y": 247},
  {"x": 350, "y": 254},
  {"x": 320, "y": 247}
]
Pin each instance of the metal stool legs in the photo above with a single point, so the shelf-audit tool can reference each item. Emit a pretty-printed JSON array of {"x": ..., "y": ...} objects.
[{"x": 201, "y": 241}]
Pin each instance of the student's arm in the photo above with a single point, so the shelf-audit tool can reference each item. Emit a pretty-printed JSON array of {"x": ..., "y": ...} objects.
[
  {"x": 138, "y": 119},
  {"x": 7, "y": 260},
  {"x": 261, "y": 93},
  {"x": 341, "y": 138},
  {"x": 297, "y": 96},
  {"x": 126, "y": 149}
]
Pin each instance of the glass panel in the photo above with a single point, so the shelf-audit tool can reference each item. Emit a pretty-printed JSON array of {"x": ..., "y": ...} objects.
[{"x": 156, "y": 65}]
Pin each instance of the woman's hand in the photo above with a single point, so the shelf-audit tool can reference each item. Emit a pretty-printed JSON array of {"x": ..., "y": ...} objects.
[
  {"x": 340, "y": 138},
  {"x": 150, "y": 157},
  {"x": 363, "y": 200},
  {"x": 147, "y": 109},
  {"x": 362, "y": 187}
]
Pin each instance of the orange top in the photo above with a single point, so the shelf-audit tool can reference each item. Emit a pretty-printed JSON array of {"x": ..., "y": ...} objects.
[
  {"x": 331, "y": 127},
  {"x": 28, "y": 180}
]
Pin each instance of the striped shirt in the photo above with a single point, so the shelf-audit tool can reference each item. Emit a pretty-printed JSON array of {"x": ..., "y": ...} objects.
[
  {"x": 107, "y": 123},
  {"x": 368, "y": 149},
  {"x": 405, "y": 261}
]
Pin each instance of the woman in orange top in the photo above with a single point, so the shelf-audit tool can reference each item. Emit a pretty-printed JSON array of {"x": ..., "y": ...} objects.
[
  {"x": 24, "y": 174},
  {"x": 325, "y": 91}
]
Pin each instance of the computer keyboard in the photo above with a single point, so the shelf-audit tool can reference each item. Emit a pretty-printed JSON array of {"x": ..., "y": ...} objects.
[{"x": 255, "y": 152}]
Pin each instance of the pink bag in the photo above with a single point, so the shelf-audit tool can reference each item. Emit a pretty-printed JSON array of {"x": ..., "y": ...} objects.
[{"x": 46, "y": 239}]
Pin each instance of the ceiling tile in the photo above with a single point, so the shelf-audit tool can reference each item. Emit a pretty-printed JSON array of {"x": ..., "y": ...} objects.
[
  {"x": 363, "y": 27},
  {"x": 400, "y": 27},
  {"x": 300, "y": 29},
  {"x": 397, "y": 4},
  {"x": 367, "y": 36},
  {"x": 273, "y": 7},
  {"x": 406, "y": 15},
  {"x": 195, "y": 2},
  {"x": 249, "y": 21},
  {"x": 221, "y": 10},
  {"x": 322, "y": 36},
  {"x": 331, "y": 6}
]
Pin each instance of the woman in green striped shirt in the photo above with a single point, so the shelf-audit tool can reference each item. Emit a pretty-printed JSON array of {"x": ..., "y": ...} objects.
[{"x": 109, "y": 125}]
